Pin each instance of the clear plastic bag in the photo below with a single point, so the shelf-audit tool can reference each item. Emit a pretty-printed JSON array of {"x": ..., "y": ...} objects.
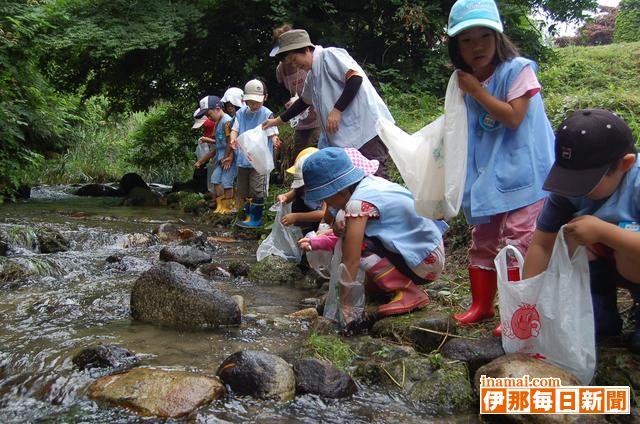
[
  {"x": 320, "y": 261},
  {"x": 550, "y": 316},
  {"x": 346, "y": 298},
  {"x": 254, "y": 144},
  {"x": 433, "y": 161},
  {"x": 202, "y": 149},
  {"x": 282, "y": 241}
]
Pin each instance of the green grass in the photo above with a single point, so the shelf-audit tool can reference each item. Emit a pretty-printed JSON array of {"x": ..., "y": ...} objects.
[
  {"x": 596, "y": 76},
  {"x": 331, "y": 349}
]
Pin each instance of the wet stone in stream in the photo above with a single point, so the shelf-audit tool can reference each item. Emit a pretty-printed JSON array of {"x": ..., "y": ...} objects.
[
  {"x": 185, "y": 255},
  {"x": 105, "y": 356},
  {"x": 169, "y": 294},
  {"x": 259, "y": 374}
]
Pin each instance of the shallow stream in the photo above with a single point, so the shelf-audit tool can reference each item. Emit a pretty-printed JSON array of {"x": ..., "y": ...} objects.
[{"x": 76, "y": 299}]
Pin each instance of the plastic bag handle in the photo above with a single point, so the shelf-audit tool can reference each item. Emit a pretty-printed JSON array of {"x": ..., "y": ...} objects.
[{"x": 501, "y": 262}]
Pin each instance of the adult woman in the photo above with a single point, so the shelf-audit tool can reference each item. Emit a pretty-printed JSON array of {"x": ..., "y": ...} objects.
[
  {"x": 306, "y": 128},
  {"x": 347, "y": 104}
]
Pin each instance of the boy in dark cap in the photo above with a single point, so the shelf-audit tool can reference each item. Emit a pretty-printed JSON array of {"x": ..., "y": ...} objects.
[{"x": 595, "y": 191}]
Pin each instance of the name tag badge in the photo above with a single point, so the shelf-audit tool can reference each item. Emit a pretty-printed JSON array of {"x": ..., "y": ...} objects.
[
  {"x": 488, "y": 122},
  {"x": 631, "y": 226}
]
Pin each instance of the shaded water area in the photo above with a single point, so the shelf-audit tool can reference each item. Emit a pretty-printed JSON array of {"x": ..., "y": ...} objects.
[{"x": 75, "y": 299}]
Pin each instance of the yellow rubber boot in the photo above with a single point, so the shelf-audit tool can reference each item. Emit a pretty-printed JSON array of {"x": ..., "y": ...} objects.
[
  {"x": 227, "y": 206},
  {"x": 218, "y": 204}
]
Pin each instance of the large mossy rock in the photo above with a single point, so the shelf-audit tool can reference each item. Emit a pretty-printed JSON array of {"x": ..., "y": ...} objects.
[
  {"x": 51, "y": 241},
  {"x": 185, "y": 255},
  {"x": 259, "y": 374},
  {"x": 274, "y": 270},
  {"x": 443, "y": 388},
  {"x": 130, "y": 181},
  {"x": 159, "y": 393},
  {"x": 414, "y": 328},
  {"x": 170, "y": 295}
]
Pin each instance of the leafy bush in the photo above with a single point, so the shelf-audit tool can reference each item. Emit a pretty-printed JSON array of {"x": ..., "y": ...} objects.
[
  {"x": 628, "y": 22},
  {"x": 162, "y": 144}
]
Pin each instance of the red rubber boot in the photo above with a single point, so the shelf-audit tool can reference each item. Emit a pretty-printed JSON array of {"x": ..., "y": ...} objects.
[
  {"x": 407, "y": 296},
  {"x": 513, "y": 274},
  {"x": 484, "y": 284}
]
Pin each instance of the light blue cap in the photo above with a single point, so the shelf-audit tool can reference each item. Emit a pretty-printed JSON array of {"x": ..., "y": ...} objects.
[{"x": 473, "y": 13}]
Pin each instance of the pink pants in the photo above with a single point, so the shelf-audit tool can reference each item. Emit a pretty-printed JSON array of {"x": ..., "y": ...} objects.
[{"x": 514, "y": 227}]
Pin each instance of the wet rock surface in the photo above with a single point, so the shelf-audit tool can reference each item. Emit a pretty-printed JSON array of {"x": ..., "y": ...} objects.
[
  {"x": 239, "y": 268},
  {"x": 274, "y": 270},
  {"x": 51, "y": 241},
  {"x": 105, "y": 356},
  {"x": 169, "y": 294},
  {"x": 259, "y": 374},
  {"x": 475, "y": 352},
  {"x": 159, "y": 393},
  {"x": 323, "y": 378},
  {"x": 185, "y": 255},
  {"x": 169, "y": 232}
]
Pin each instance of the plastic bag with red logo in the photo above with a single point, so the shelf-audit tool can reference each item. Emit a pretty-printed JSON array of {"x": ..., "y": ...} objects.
[{"x": 550, "y": 316}]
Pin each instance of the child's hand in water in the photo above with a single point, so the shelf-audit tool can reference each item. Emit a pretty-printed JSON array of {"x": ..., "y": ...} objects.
[
  {"x": 304, "y": 244},
  {"x": 468, "y": 82}
]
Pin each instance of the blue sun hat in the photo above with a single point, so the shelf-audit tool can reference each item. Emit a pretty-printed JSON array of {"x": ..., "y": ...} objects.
[
  {"x": 472, "y": 13},
  {"x": 327, "y": 172}
]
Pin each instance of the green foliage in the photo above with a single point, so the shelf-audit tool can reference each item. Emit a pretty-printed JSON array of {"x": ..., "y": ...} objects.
[
  {"x": 32, "y": 116},
  {"x": 331, "y": 349},
  {"x": 628, "y": 22},
  {"x": 163, "y": 140}
]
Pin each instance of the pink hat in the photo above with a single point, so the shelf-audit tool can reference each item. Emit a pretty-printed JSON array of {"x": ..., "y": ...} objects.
[{"x": 368, "y": 166}]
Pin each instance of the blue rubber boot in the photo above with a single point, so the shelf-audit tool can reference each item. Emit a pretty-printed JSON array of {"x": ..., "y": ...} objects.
[{"x": 254, "y": 214}]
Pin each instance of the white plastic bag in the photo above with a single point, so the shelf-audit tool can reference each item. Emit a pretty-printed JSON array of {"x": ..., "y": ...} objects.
[
  {"x": 433, "y": 161},
  {"x": 282, "y": 241},
  {"x": 346, "y": 298},
  {"x": 254, "y": 144},
  {"x": 550, "y": 316},
  {"x": 202, "y": 149}
]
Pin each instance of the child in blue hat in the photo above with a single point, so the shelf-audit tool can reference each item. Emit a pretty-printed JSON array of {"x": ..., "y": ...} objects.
[
  {"x": 381, "y": 223},
  {"x": 510, "y": 145}
]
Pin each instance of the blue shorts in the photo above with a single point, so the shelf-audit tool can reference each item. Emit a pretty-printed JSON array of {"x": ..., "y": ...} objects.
[{"x": 224, "y": 177}]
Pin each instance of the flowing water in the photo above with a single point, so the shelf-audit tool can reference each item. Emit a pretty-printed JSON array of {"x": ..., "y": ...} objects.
[{"x": 76, "y": 299}]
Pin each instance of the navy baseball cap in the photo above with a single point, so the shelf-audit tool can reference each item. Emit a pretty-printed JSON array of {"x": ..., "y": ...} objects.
[
  {"x": 588, "y": 143},
  {"x": 206, "y": 103}
]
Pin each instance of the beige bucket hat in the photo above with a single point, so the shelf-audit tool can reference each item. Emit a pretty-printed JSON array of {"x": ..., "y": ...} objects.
[{"x": 291, "y": 40}]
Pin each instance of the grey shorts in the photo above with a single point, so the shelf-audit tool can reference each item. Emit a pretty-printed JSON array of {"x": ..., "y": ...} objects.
[{"x": 251, "y": 184}]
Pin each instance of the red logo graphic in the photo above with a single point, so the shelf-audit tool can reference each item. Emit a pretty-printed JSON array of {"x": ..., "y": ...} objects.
[{"x": 525, "y": 323}]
